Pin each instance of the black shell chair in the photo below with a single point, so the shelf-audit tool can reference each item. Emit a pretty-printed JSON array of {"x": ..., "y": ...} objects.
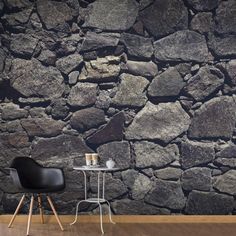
[{"x": 30, "y": 177}]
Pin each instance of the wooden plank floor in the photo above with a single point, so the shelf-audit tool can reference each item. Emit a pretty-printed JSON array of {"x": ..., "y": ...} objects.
[
  {"x": 123, "y": 229},
  {"x": 175, "y": 225}
]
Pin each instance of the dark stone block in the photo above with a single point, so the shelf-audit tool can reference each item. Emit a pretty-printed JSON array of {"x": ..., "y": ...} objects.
[
  {"x": 203, "y": 203},
  {"x": 87, "y": 118},
  {"x": 113, "y": 131},
  {"x": 164, "y": 17}
]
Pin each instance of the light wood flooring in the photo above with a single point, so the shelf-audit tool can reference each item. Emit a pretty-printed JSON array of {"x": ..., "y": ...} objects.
[{"x": 126, "y": 226}]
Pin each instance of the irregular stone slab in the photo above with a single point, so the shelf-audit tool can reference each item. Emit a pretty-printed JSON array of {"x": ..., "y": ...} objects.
[
  {"x": 201, "y": 5},
  {"x": 94, "y": 41},
  {"x": 54, "y": 14},
  {"x": 47, "y": 57},
  {"x": 87, "y": 118},
  {"x": 114, "y": 187},
  {"x": 83, "y": 94},
  {"x": 42, "y": 127},
  {"x": 129, "y": 176},
  {"x": 123, "y": 15},
  {"x": 167, "y": 84},
  {"x": 203, "y": 203},
  {"x": 164, "y": 17},
  {"x": 223, "y": 46},
  {"x": 118, "y": 151},
  {"x": 204, "y": 83},
  {"x": 229, "y": 162},
  {"x": 2, "y": 59},
  {"x": 59, "y": 109},
  {"x": 12, "y": 112},
  {"x": 32, "y": 79},
  {"x": 196, "y": 153},
  {"x": 133, "y": 207},
  {"x": 145, "y": 69},
  {"x": 197, "y": 178},
  {"x": 164, "y": 121},
  {"x": 183, "y": 45},
  {"x": 11, "y": 4},
  {"x": 209, "y": 120},
  {"x": 19, "y": 18},
  {"x": 131, "y": 91},
  {"x": 226, "y": 183},
  {"x": 113, "y": 131},
  {"x": 137, "y": 46},
  {"x": 63, "y": 146},
  {"x": 102, "y": 69},
  {"x": 23, "y": 44},
  {"x": 13, "y": 145},
  {"x": 151, "y": 154},
  {"x": 168, "y": 173},
  {"x": 231, "y": 71},
  {"x": 226, "y": 17},
  {"x": 69, "y": 63},
  {"x": 141, "y": 186},
  {"x": 166, "y": 194},
  {"x": 202, "y": 22}
]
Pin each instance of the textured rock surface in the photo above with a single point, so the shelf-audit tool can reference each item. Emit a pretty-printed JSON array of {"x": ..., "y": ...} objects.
[
  {"x": 169, "y": 120},
  {"x": 118, "y": 151},
  {"x": 94, "y": 41},
  {"x": 30, "y": 78},
  {"x": 164, "y": 17},
  {"x": 123, "y": 15},
  {"x": 62, "y": 146},
  {"x": 226, "y": 183},
  {"x": 127, "y": 206},
  {"x": 197, "y": 179},
  {"x": 202, "y": 22},
  {"x": 54, "y": 14},
  {"x": 167, "y": 84},
  {"x": 81, "y": 122},
  {"x": 223, "y": 46},
  {"x": 69, "y": 63},
  {"x": 207, "y": 121},
  {"x": 131, "y": 91},
  {"x": 101, "y": 69},
  {"x": 231, "y": 71},
  {"x": 183, "y": 45},
  {"x": 13, "y": 112},
  {"x": 204, "y": 83},
  {"x": 203, "y": 203},
  {"x": 166, "y": 193},
  {"x": 151, "y": 154},
  {"x": 196, "y": 153},
  {"x": 23, "y": 44},
  {"x": 225, "y": 17},
  {"x": 137, "y": 46},
  {"x": 145, "y": 69},
  {"x": 202, "y": 5},
  {"x": 227, "y": 156},
  {"x": 168, "y": 173},
  {"x": 83, "y": 94},
  {"x": 141, "y": 186},
  {"x": 112, "y": 131}
]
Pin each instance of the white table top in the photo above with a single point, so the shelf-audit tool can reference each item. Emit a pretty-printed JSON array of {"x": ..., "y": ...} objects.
[{"x": 88, "y": 168}]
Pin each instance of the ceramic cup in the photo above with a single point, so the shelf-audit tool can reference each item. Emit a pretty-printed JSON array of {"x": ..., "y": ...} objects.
[
  {"x": 95, "y": 159},
  {"x": 88, "y": 158}
]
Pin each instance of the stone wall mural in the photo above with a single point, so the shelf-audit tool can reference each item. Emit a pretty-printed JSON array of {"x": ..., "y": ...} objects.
[{"x": 151, "y": 84}]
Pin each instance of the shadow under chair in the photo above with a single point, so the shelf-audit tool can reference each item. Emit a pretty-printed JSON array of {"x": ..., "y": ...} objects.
[{"x": 32, "y": 178}]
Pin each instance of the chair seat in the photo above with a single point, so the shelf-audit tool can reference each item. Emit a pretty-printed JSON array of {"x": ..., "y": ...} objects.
[{"x": 44, "y": 190}]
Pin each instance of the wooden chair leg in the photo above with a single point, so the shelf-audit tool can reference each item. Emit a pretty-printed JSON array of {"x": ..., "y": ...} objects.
[
  {"x": 40, "y": 208},
  {"x": 16, "y": 211},
  {"x": 30, "y": 214},
  {"x": 55, "y": 213}
]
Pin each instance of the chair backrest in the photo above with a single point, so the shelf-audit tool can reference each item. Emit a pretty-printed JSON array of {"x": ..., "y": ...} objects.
[{"x": 29, "y": 172}]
